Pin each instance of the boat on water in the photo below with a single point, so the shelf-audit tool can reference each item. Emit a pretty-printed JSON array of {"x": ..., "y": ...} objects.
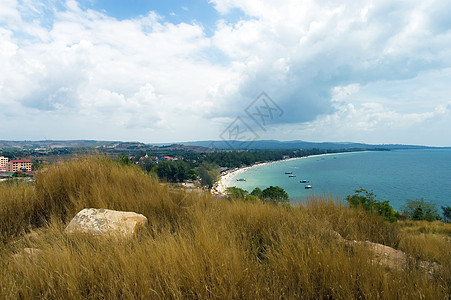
[
  {"x": 304, "y": 181},
  {"x": 288, "y": 172},
  {"x": 308, "y": 187},
  {"x": 241, "y": 179},
  {"x": 291, "y": 175}
]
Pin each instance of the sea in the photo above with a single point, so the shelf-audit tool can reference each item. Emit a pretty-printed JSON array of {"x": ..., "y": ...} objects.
[{"x": 396, "y": 176}]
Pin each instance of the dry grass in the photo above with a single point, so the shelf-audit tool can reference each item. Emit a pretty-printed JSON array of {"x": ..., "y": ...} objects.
[{"x": 195, "y": 246}]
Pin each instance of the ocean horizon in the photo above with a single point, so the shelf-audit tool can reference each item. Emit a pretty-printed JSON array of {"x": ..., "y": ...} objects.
[{"x": 396, "y": 176}]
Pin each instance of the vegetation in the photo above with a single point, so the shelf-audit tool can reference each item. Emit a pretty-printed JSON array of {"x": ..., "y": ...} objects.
[
  {"x": 235, "y": 159},
  {"x": 272, "y": 194},
  {"x": 174, "y": 171},
  {"x": 124, "y": 159},
  {"x": 257, "y": 192},
  {"x": 446, "y": 213},
  {"x": 366, "y": 200},
  {"x": 275, "y": 194},
  {"x": 195, "y": 246},
  {"x": 208, "y": 173},
  {"x": 236, "y": 193},
  {"x": 420, "y": 210}
]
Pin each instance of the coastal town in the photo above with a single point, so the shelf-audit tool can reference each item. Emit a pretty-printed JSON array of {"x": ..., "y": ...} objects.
[{"x": 9, "y": 167}]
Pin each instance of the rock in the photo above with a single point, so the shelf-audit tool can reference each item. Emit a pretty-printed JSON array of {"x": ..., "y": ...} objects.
[
  {"x": 390, "y": 257},
  {"x": 106, "y": 222}
]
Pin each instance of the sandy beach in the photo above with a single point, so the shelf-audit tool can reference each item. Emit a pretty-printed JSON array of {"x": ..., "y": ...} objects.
[{"x": 225, "y": 179}]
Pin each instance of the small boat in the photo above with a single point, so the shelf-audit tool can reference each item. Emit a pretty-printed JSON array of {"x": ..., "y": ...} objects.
[
  {"x": 304, "y": 181},
  {"x": 241, "y": 179},
  {"x": 288, "y": 172},
  {"x": 308, "y": 187},
  {"x": 291, "y": 175}
]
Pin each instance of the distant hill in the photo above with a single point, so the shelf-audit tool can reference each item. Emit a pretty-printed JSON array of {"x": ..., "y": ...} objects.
[
  {"x": 55, "y": 144},
  {"x": 274, "y": 144},
  {"x": 111, "y": 146},
  {"x": 199, "y": 146}
]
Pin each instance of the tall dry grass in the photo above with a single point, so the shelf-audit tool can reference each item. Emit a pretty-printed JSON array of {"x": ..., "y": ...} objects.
[
  {"x": 194, "y": 246},
  {"x": 17, "y": 209}
]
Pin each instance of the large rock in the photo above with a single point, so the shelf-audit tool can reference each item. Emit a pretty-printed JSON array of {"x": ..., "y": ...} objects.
[
  {"x": 106, "y": 222},
  {"x": 390, "y": 257}
]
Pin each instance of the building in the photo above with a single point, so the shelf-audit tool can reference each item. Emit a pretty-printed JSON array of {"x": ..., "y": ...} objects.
[
  {"x": 19, "y": 165},
  {"x": 166, "y": 158},
  {"x": 3, "y": 162}
]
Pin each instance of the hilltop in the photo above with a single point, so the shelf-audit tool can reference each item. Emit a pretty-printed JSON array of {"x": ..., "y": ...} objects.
[
  {"x": 196, "y": 246},
  {"x": 45, "y": 146},
  {"x": 298, "y": 144}
]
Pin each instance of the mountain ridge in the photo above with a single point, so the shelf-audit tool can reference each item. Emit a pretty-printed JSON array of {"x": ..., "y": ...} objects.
[{"x": 213, "y": 144}]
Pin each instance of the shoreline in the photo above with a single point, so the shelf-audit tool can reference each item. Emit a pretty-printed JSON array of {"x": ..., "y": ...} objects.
[{"x": 225, "y": 179}]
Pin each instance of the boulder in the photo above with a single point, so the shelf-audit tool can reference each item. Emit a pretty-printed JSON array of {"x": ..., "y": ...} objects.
[
  {"x": 106, "y": 222},
  {"x": 390, "y": 257}
]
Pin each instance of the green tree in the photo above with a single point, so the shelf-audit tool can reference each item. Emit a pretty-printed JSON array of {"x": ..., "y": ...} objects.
[
  {"x": 173, "y": 171},
  {"x": 251, "y": 198},
  {"x": 257, "y": 192},
  {"x": 192, "y": 174},
  {"x": 236, "y": 193},
  {"x": 148, "y": 165},
  {"x": 37, "y": 165},
  {"x": 275, "y": 194},
  {"x": 208, "y": 173},
  {"x": 362, "y": 198},
  {"x": 421, "y": 210},
  {"x": 124, "y": 159},
  {"x": 446, "y": 213},
  {"x": 367, "y": 200}
]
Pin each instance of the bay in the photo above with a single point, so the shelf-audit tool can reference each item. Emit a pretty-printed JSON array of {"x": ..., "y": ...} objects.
[{"x": 396, "y": 176}]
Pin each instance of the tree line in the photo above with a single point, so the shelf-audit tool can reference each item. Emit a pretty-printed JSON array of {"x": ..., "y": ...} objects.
[
  {"x": 204, "y": 166},
  {"x": 416, "y": 210}
]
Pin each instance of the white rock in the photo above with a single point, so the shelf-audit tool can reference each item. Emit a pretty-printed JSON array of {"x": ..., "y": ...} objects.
[{"x": 106, "y": 222}]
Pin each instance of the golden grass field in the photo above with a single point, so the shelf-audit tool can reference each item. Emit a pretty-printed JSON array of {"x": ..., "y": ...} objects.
[{"x": 198, "y": 247}]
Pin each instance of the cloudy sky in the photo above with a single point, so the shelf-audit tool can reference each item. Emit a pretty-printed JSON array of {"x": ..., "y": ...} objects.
[{"x": 165, "y": 71}]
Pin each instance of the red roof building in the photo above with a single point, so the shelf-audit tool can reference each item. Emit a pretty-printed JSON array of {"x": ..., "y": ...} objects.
[{"x": 18, "y": 165}]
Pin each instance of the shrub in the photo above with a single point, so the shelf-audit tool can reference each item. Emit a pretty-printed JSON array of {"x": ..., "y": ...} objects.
[
  {"x": 251, "y": 198},
  {"x": 274, "y": 194},
  {"x": 236, "y": 193},
  {"x": 257, "y": 192},
  {"x": 208, "y": 173},
  {"x": 420, "y": 210},
  {"x": 366, "y": 200},
  {"x": 446, "y": 213}
]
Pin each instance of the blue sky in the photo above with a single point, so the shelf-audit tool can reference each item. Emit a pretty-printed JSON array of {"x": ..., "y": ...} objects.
[
  {"x": 167, "y": 71},
  {"x": 200, "y": 12}
]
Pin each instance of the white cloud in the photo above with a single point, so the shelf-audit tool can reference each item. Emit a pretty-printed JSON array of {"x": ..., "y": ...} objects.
[
  {"x": 340, "y": 70},
  {"x": 137, "y": 74},
  {"x": 331, "y": 49}
]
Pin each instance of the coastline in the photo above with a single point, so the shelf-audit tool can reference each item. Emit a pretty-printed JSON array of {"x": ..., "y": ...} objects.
[{"x": 225, "y": 179}]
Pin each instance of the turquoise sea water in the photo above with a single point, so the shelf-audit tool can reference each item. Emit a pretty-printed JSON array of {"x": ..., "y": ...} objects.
[{"x": 396, "y": 176}]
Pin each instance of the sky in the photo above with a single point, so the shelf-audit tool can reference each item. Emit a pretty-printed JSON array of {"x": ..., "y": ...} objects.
[{"x": 170, "y": 71}]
